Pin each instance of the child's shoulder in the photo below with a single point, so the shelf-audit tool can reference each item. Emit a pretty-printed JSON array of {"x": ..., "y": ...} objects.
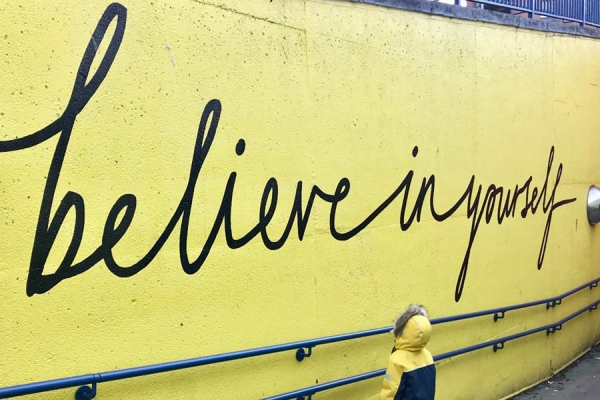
[{"x": 405, "y": 358}]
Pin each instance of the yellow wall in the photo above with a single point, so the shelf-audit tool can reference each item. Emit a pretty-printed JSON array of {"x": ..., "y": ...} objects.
[{"x": 326, "y": 93}]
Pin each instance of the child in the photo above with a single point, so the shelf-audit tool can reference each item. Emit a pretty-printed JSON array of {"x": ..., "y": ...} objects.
[{"x": 411, "y": 373}]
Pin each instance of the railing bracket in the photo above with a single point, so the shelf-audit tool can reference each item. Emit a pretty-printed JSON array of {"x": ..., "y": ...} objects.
[
  {"x": 307, "y": 397},
  {"x": 498, "y": 315},
  {"x": 86, "y": 392},
  {"x": 594, "y": 307},
  {"x": 553, "y": 329},
  {"x": 498, "y": 346},
  {"x": 593, "y": 285},
  {"x": 301, "y": 354},
  {"x": 553, "y": 303}
]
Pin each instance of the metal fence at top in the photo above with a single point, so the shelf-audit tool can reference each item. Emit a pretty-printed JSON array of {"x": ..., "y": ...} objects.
[{"x": 584, "y": 12}]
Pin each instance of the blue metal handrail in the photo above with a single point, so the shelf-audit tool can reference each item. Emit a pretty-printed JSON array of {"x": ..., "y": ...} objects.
[
  {"x": 496, "y": 344},
  {"x": 84, "y": 392}
]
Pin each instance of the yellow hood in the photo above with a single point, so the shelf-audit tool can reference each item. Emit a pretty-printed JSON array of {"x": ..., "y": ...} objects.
[{"x": 415, "y": 335}]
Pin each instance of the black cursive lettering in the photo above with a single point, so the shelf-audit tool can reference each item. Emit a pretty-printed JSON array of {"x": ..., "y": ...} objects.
[{"x": 492, "y": 204}]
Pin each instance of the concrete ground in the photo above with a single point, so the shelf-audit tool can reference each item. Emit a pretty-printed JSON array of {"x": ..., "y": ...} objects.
[{"x": 580, "y": 381}]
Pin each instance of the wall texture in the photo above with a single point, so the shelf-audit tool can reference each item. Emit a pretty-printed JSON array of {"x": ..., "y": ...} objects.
[{"x": 209, "y": 176}]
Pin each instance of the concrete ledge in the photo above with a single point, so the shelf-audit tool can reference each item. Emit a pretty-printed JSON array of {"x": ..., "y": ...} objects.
[{"x": 477, "y": 14}]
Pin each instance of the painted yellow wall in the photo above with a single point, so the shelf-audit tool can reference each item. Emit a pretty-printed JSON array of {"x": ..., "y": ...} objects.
[{"x": 319, "y": 91}]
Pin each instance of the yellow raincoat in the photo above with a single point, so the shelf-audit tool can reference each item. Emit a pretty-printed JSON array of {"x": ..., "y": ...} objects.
[{"x": 410, "y": 374}]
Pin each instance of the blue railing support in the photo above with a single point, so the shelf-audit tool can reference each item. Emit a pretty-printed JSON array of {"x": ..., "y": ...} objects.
[
  {"x": 553, "y": 303},
  {"x": 301, "y": 354},
  {"x": 91, "y": 380},
  {"x": 86, "y": 392},
  {"x": 498, "y": 315},
  {"x": 553, "y": 329}
]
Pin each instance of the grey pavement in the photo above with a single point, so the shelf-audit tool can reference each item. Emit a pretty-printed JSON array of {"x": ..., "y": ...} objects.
[{"x": 581, "y": 380}]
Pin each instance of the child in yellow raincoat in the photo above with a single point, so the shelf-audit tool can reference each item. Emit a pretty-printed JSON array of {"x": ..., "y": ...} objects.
[{"x": 410, "y": 374}]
